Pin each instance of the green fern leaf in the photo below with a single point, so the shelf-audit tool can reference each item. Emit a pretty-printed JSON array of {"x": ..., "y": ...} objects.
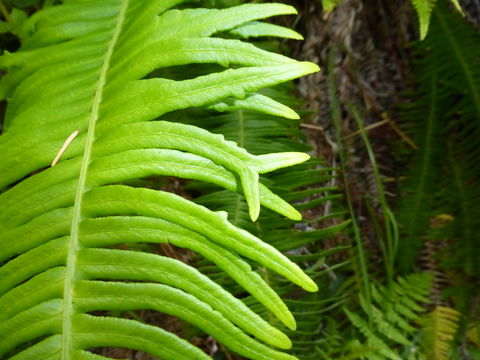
[
  {"x": 329, "y": 5},
  {"x": 424, "y": 12},
  {"x": 88, "y": 68},
  {"x": 373, "y": 340},
  {"x": 440, "y": 326},
  {"x": 393, "y": 313},
  {"x": 257, "y": 29}
]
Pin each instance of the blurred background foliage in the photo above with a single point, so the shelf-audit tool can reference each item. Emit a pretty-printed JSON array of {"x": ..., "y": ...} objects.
[{"x": 391, "y": 197}]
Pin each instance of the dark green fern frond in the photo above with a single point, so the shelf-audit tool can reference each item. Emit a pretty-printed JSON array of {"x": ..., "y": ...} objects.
[
  {"x": 424, "y": 121},
  {"x": 463, "y": 198},
  {"x": 318, "y": 319},
  {"x": 464, "y": 135},
  {"x": 446, "y": 110},
  {"x": 453, "y": 45},
  {"x": 450, "y": 55},
  {"x": 462, "y": 188},
  {"x": 443, "y": 178}
]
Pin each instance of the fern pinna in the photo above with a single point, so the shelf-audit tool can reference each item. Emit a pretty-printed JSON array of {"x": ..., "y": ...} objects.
[
  {"x": 307, "y": 185},
  {"x": 89, "y": 66}
]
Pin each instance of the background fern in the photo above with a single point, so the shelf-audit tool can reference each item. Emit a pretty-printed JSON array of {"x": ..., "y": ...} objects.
[
  {"x": 440, "y": 327},
  {"x": 394, "y": 311},
  {"x": 443, "y": 175},
  {"x": 446, "y": 140}
]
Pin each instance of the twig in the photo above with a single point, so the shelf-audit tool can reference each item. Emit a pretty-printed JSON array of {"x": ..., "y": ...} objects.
[
  {"x": 394, "y": 126},
  {"x": 404, "y": 136},
  {"x": 367, "y": 128},
  {"x": 64, "y": 146},
  {"x": 313, "y": 127}
]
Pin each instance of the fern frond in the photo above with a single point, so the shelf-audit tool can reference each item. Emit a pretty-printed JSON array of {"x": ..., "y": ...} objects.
[
  {"x": 451, "y": 111},
  {"x": 423, "y": 120},
  {"x": 372, "y": 339},
  {"x": 394, "y": 313},
  {"x": 424, "y": 10},
  {"x": 305, "y": 185},
  {"x": 461, "y": 41},
  {"x": 91, "y": 67},
  {"x": 439, "y": 329}
]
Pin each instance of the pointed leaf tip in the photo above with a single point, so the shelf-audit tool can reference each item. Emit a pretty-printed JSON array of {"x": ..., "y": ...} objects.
[
  {"x": 254, "y": 212},
  {"x": 270, "y": 162},
  {"x": 295, "y": 215},
  {"x": 283, "y": 341},
  {"x": 312, "y": 67},
  {"x": 310, "y": 286},
  {"x": 288, "y": 9},
  {"x": 291, "y": 114}
]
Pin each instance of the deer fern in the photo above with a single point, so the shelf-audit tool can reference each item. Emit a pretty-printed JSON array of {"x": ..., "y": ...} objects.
[{"x": 89, "y": 68}]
